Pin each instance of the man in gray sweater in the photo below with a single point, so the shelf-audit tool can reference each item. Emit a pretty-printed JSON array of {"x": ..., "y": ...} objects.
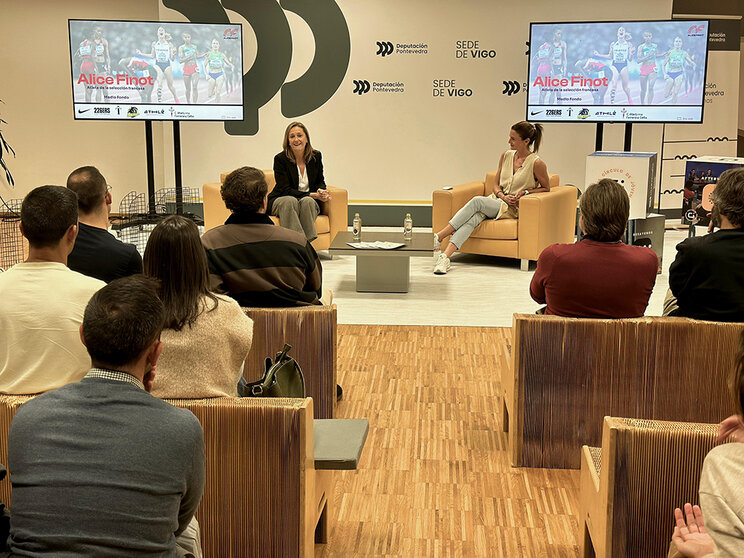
[{"x": 100, "y": 467}]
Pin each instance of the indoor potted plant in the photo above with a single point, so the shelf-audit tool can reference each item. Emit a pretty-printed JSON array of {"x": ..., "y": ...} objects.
[{"x": 4, "y": 149}]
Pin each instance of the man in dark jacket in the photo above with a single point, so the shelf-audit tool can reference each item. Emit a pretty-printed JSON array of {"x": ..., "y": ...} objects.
[
  {"x": 707, "y": 275},
  {"x": 97, "y": 253}
]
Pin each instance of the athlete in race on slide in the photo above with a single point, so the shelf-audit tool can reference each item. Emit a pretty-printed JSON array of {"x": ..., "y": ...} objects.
[
  {"x": 187, "y": 55},
  {"x": 231, "y": 75},
  {"x": 646, "y": 56},
  {"x": 693, "y": 74},
  {"x": 214, "y": 64},
  {"x": 86, "y": 54},
  {"x": 139, "y": 66},
  {"x": 228, "y": 71},
  {"x": 543, "y": 67},
  {"x": 102, "y": 59},
  {"x": 673, "y": 68},
  {"x": 163, "y": 51},
  {"x": 557, "y": 60},
  {"x": 595, "y": 68},
  {"x": 621, "y": 53}
]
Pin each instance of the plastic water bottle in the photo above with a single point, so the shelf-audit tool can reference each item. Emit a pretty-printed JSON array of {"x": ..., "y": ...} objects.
[
  {"x": 407, "y": 227},
  {"x": 356, "y": 227}
]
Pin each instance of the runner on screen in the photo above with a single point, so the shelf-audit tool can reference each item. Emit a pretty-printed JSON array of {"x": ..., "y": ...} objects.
[
  {"x": 543, "y": 67},
  {"x": 673, "y": 67},
  {"x": 621, "y": 53},
  {"x": 595, "y": 68},
  {"x": 646, "y": 56},
  {"x": 163, "y": 51},
  {"x": 187, "y": 54},
  {"x": 215, "y": 62},
  {"x": 86, "y": 54},
  {"x": 102, "y": 59},
  {"x": 557, "y": 60},
  {"x": 140, "y": 66}
]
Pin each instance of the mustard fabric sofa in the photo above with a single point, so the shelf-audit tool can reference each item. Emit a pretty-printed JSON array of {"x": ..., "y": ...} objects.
[{"x": 545, "y": 218}]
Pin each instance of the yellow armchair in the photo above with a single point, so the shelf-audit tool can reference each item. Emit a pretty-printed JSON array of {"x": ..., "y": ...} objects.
[
  {"x": 545, "y": 218},
  {"x": 334, "y": 215}
]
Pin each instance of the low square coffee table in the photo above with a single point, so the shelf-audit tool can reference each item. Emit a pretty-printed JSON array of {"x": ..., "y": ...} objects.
[{"x": 383, "y": 271}]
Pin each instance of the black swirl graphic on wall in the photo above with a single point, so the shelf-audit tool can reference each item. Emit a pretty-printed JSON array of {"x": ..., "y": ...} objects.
[{"x": 273, "y": 35}]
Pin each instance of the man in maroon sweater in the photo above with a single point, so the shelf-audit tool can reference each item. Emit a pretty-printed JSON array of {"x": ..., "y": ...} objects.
[{"x": 598, "y": 277}]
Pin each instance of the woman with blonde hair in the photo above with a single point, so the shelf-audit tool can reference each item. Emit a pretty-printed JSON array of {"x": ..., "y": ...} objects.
[{"x": 163, "y": 51}]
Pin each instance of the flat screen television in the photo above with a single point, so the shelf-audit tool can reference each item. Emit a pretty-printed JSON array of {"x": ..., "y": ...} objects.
[
  {"x": 156, "y": 70},
  {"x": 618, "y": 71}
]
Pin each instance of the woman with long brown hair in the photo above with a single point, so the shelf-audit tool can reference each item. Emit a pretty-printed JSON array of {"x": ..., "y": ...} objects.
[
  {"x": 520, "y": 172},
  {"x": 207, "y": 336}
]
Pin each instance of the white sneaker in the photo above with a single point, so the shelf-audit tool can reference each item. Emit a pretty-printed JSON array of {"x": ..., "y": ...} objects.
[
  {"x": 437, "y": 249},
  {"x": 443, "y": 265}
]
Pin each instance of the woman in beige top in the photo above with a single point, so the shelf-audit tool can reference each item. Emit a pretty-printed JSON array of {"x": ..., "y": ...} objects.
[
  {"x": 721, "y": 490},
  {"x": 520, "y": 172},
  {"x": 206, "y": 336}
]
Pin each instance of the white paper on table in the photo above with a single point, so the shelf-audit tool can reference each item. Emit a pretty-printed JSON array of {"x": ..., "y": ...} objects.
[{"x": 377, "y": 245}]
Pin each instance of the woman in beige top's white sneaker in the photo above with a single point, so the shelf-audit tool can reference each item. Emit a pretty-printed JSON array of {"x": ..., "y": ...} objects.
[{"x": 520, "y": 172}]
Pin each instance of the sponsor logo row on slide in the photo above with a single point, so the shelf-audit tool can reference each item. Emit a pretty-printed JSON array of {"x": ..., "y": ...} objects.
[{"x": 156, "y": 112}]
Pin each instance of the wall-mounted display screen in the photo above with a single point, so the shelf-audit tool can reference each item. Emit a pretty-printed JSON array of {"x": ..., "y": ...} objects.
[
  {"x": 621, "y": 71},
  {"x": 153, "y": 70}
]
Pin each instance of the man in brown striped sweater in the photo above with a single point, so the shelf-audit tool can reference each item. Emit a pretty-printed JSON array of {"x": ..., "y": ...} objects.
[{"x": 254, "y": 261}]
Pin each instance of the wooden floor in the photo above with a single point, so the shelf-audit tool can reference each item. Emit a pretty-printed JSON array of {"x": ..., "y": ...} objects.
[{"x": 434, "y": 479}]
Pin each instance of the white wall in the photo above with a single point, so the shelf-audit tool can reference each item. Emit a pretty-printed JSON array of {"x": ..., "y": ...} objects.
[
  {"x": 36, "y": 88},
  {"x": 379, "y": 146}
]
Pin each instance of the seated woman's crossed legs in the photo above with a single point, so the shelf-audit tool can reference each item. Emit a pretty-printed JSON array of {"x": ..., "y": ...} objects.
[{"x": 462, "y": 225}]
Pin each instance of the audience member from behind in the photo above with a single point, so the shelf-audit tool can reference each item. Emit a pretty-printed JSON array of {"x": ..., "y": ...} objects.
[
  {"x": 254, "y": 261},
  {"x": 600, "y": 276},
  {"x": 42, "y": 301},
  {"x": 707, "y": 275},
  {"x": 207, "y": 336},
  {"x": 721, "y": 492},
  {"x": 100, "y": 467},
  {"x": 97, "y": 253}
]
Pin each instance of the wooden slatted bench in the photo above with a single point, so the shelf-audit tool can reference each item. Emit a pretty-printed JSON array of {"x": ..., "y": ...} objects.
[
  {"x": 567, "y": 374},
  {"x": 630, "y": 487}
]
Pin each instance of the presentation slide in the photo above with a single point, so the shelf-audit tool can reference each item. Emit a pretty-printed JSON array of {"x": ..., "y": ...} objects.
[
  {"x": 152, "y": 70},
  {"x": 642, "y": 71}
]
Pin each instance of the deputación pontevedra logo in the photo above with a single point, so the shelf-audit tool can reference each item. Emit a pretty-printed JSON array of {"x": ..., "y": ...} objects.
[
  {"x": 511, "y": 88},
  {"x": 361, "y": 86},
  {"x": 384, "y": 48}
]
